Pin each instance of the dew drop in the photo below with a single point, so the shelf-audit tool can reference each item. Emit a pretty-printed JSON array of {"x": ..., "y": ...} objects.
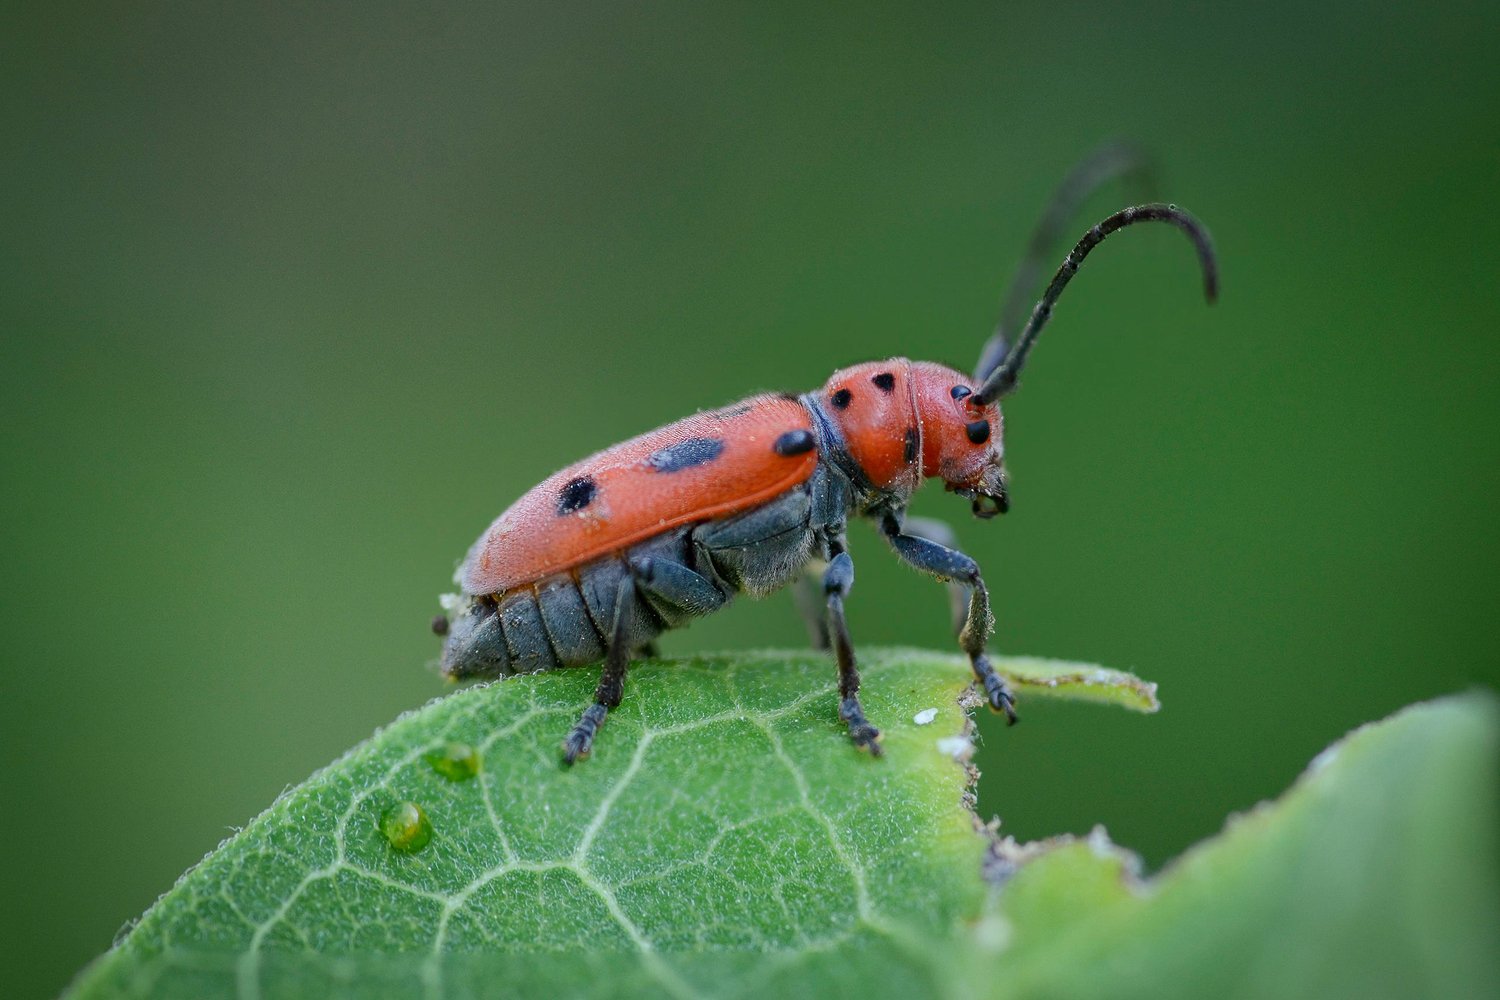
[
  {"x": 406, "y": 827},
  {"x": 455, "y": 761}
]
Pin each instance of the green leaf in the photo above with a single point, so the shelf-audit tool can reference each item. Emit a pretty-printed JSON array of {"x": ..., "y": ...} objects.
[
  {"x": 726, "y": 841},
  {"x": 724, "y": 837},
  {"x": 1374, "y": 876},
  {"x": 1081, "y": 682}
]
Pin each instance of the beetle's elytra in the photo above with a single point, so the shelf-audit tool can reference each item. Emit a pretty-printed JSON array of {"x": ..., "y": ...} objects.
[{"x": 600, "y": 558}]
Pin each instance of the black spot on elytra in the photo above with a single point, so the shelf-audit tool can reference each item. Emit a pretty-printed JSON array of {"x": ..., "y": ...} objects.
[
  {"x": 842, "y": 399},
  {"x": 794, "y": 443},
  {"x": 685, "y": 454},
  {"x": 575, "y": 495},
  {"x": 960, "y": 391},
  {"x": 909, "y": 446},
  {"x": 978, "y": 431},
  {"x": 885, "y": 381}
]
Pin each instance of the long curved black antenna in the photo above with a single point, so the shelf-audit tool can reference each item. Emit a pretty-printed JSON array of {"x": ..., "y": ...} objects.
[
  {"x": 1111, "y": 161},
  {"x": 1003, "y": 380}
]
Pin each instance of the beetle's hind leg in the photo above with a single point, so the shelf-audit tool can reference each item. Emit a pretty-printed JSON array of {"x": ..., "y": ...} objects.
[
  {"x": 837, "y": 581},
  {"x": 952, "y": 566},
  {"x": 611, "y": 687}
]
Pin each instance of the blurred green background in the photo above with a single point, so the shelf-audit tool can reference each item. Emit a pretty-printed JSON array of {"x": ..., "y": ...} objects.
[{"x": 293, "y": 303}]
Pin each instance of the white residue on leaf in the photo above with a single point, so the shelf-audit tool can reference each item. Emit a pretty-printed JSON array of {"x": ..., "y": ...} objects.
[
  {"x": 992, "y": 933},
  {"x": 925, "y": 716},
  {"x": 957, "y": 747}
]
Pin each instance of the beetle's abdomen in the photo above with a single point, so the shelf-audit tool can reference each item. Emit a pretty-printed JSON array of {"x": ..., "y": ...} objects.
[
  {"x": 710, "y": 465},
  {"x": 568, "y": 619},
  {"x": 562, "y": 621}
]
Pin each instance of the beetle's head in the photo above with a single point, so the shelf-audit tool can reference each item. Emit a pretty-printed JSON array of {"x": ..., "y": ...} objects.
[{"x": 962, "y": 441}]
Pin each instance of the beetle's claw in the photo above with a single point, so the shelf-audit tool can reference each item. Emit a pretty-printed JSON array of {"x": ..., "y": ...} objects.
[
  {"x": 581, "y": 740},
  {"x": 576, "y": 746},
  {"x": 864, "y": 735},
  {"x": 1001, "y": 700},
  {"x": 867, "y": 737}
]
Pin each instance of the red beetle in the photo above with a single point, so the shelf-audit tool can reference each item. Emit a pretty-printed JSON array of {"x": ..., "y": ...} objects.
[{"x": 602, "y": 557}]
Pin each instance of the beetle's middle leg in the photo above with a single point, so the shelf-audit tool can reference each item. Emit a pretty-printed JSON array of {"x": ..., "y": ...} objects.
[
  {"x": 611, "y": 687},
  {"x": 952, "y": 566},
  {"x": 837, "y": 581}
]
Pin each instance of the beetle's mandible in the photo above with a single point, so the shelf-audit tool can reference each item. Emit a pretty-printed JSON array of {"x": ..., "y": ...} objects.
[{"x": 600, "y": 558}]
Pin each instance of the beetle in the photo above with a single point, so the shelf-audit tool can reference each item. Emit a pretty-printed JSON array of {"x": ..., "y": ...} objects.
[{"x": 600, "y": 558}]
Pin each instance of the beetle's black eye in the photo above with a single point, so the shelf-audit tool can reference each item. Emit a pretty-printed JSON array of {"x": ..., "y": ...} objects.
[
  {"x": 978, "y": 431},
  {"x": 960, "y": 391}
]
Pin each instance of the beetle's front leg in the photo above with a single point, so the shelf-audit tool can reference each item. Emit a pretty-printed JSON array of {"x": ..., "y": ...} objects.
[
  {"x": 942, "y": 533},
  {"x": 837, "y": 581},
  {"x": 952, "y": 566}
]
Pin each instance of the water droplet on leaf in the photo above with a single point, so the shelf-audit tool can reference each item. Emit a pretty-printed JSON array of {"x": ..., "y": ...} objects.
[
  {"x": 455, "y": 761},
  {"x": 406, "y": 827}
]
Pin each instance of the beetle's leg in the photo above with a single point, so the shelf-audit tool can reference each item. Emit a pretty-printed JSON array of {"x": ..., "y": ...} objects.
[
  {"x": 940, "y": 532},
  {"x": 811, "y": 604},
  {"x": 838, "y": 578},
  {"x": 953, "y": 566},
  {"x": 611, "y": 684},
  {"x": 674, "y": 592}
]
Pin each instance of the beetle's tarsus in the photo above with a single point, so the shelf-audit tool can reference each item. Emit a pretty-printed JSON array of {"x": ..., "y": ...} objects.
[
  {"x": 996, "y": 691},
  {"x": 864, "y": 735},
  {"x": 581, "y": 740},
  {"x": 867, "y": 737},
  {"x": 1004, "y": 702}
]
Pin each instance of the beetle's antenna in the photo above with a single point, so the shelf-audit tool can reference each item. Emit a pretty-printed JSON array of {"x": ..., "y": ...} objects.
[
  {"x": 1116, "y": 159},
  {"x": 1003, "y": 380}
]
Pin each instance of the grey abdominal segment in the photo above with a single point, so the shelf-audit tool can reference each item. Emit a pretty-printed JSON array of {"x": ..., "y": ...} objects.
[{"x": 569, "y": 620}]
